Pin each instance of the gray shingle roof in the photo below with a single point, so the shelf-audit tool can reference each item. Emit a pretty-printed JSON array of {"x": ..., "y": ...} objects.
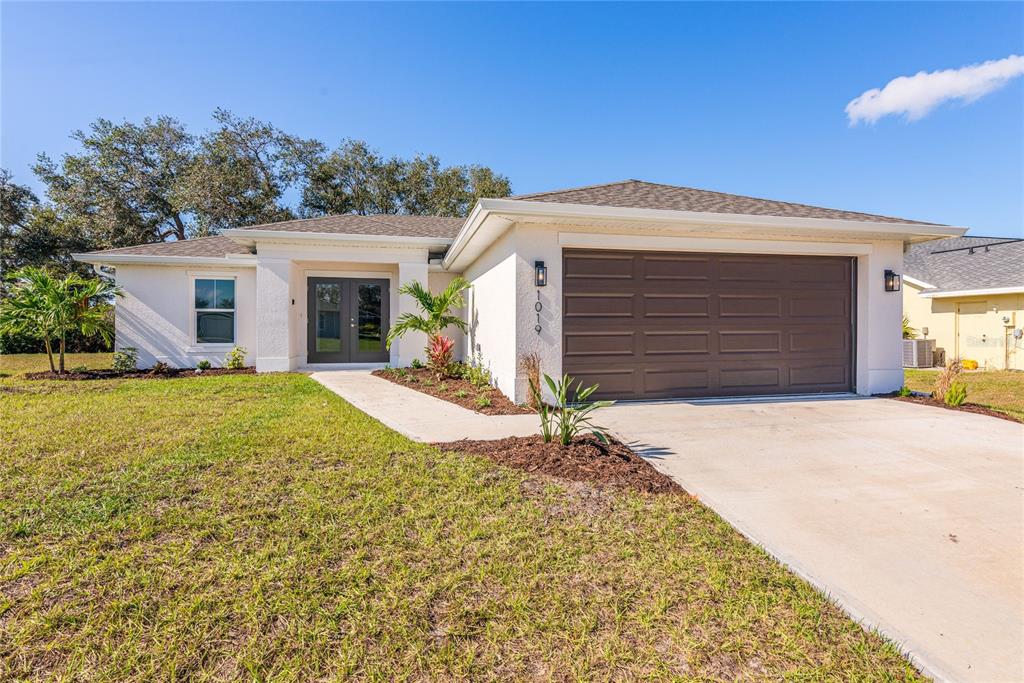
[
  {"x": 639, "y": 194},
  {"x": 204, "y": 246},
  {"x": 393, "y": 225},
  {"x": 950, "y": 265}
]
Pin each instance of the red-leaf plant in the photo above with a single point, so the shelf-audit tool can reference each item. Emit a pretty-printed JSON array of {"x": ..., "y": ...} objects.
[{"x": 439, "y": 354}]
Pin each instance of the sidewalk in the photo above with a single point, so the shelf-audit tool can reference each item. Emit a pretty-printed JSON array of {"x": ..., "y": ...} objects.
[{"x": 417, "y": 415}]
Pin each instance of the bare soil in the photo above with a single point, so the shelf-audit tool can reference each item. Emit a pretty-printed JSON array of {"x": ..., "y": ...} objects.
[
  {"x": 169, "y": 373},
  {"x": 586, "y": 459},
  {"x": 461, "y": 392},
  {"x": 966, "y": 407}
]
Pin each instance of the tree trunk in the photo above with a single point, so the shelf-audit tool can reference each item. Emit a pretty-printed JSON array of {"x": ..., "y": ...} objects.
[
  {"x": 61, "y": 356},
  {"x": 179, "y": 227},
  {"x": 49, "y": 353}
]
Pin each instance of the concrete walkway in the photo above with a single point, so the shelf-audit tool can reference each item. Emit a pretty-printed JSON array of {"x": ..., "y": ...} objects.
[
  {"x": 417, "y": 415},
  {"x": 909, "y": 516}
]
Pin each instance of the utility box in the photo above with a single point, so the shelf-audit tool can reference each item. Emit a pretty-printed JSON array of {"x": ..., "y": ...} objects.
[{"x": 918, "y": 353}]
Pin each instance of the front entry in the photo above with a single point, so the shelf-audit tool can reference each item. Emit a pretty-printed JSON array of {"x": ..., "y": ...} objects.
[{"x": 347, "y": 320}]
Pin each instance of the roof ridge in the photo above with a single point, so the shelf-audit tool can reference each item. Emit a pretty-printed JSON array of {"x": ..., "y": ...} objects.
[{"x": 573, "y": 189}]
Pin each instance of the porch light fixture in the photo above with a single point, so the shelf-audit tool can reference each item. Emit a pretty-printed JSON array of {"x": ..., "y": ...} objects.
[
  {"x": 892, "y": 282},
  {"x": 540, "y": 273}
]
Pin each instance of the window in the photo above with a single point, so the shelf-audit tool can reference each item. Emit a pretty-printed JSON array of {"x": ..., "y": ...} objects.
[{"x": 215, "y": 311}]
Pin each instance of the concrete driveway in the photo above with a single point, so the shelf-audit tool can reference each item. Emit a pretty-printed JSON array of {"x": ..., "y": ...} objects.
[{"x": 909, "y": 516}]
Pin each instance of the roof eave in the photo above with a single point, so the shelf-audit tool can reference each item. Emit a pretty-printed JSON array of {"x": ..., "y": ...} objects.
[
  {"x": 521, "y": 209},
  {"x": 983, "y": 291},
  {"x": 101, "y": 259}
]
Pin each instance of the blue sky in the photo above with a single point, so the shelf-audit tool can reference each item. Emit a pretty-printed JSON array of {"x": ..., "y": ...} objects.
[{"x": 744, "y": 98}]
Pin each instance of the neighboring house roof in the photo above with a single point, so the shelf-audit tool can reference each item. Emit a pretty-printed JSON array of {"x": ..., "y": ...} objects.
[
  {"x": 960, "y": 264},
  {"x": 638, "y": 194},
  {"x": 211, "y": 247}
]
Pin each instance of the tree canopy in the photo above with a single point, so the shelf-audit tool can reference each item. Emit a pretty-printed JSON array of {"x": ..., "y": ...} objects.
[{"x": 135, "y": 183}]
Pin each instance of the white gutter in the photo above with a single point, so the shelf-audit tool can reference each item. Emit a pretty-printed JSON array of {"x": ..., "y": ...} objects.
[
  {"x": 246, "y": 236},
  {"x": 991, "y": 291},
  {"x": 584, "y": 212},
  {"x": 917, "y": 283},
  {"x": 242, "y": 260}
]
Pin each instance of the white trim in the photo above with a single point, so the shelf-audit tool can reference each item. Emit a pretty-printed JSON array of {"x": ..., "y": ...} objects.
[
  {"x": 196, "y": 345},
  {"x": 917, "y": 283},
  {"x": 710, "y": 244},
  {"x": 511, "y": 209},
  {"x": 973, "y": 292},
  {"x": 239, "y": 260},
  {"x": 245, "y": 236}
]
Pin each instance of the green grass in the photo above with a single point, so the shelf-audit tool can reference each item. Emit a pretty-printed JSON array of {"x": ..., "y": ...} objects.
[
  {"x": 1001, "y": 390},
  {"x": 258, "y": 527},
  {"x": 20, "y": 363}
]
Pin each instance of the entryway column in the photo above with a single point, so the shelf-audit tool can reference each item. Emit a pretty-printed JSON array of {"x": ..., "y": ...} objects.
[
  {"x": 411, "y": 345},
  {"x": 274, "y": 348}
]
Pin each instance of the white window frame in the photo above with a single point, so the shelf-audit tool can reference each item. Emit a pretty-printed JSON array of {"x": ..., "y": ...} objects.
[{"x": 193, "y": 331}]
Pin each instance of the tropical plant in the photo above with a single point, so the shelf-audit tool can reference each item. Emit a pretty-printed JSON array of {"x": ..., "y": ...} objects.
[
  {"x": 439, "y": 354},
  {"x": 956, "y": 395},
  {"x": 126, "y": 359},
  {"x": 566, "y": 419},
  {"x": 52, "y": 308},
  {"x": 437, "y": 311},
  {"x": 204, "y": 365},
  {"x": 235, "y": 360},
  {"x": 904, "y": 391},
  {"x": 908, "y": 331},
  {"x": 483, "y": 401}
]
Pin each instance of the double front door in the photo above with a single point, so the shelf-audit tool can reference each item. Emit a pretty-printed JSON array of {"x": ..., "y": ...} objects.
[{"x": 348, "y": 320}]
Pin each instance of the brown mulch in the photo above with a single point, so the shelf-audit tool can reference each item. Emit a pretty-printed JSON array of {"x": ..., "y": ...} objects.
[
  {"x": 424, "y": 381},
  {"x": 169, "y": 373},
  {"x": 965, "y": 408},
  {"x": 586, "y": 460}
]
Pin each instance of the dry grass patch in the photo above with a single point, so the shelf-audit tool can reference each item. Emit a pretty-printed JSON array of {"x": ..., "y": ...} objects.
[
  {"x": 260, "y": 528},
  {"x": 1000, "y": 390}
]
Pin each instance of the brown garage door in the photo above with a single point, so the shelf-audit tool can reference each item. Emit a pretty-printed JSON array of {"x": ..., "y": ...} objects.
[{"x": 666, "y": 325}]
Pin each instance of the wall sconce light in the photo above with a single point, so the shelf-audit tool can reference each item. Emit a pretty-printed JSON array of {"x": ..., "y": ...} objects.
[
  {"x": 892, "y": 281},
  {"x": 540, "y": 272}
]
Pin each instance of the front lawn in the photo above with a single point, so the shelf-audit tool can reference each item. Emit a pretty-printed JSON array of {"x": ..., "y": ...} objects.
[
  {"x": 260, "y": 528},
  {"x": 1000, "y": 390},
  {"x": 20, "y": 363}
]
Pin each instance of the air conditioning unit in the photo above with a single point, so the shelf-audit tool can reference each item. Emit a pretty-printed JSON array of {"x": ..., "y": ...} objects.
[{"x": 918, "y": 353}]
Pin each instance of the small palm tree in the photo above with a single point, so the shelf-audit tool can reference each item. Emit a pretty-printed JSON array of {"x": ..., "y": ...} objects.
[
  {"x": 51, "y": 308},
  {"x": 908, "y": 331},
  {"x": 437, "y": 311}
]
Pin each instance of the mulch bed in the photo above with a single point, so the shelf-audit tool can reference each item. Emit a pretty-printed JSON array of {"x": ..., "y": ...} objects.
[
  {"x": 448, "y": 389},
  {"x": 965, "y": 408},
  {"x": 169, "y": 373},
  {"x": 585, "y": 460}
]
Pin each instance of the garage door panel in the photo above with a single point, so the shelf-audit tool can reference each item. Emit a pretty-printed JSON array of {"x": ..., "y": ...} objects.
[
  {"x": 749, "y": 305},
  {"x": 660, "y": 325},
  {"x": 662, "y": 268},
  {"x": 609, "y": 305},
  {"x": 680, "y": 343},
  {"x": 676, "y": 305},
  {"x": 599, "y": 344}
]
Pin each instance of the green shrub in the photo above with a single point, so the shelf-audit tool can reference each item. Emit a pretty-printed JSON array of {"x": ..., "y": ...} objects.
[
  {"x": 416, "y": 364},
  {"x": 204, "y": 365},
  {"x": 235, "y": 360},
  {"x": 160, "y": 368},
  {"x": 956, "y": 395},
  {"x": 462, "y": 393},
  {"x": 80, "y": 368},
  {"x": 126, "y": 359},
  {"x": 567, "y": 419},
  {"x": 483, "y": 401},
  {"x": 904, "y": 391}
]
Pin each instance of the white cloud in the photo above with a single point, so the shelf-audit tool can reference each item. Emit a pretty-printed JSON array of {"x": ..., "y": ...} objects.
[{"x": 915, "y": 96}]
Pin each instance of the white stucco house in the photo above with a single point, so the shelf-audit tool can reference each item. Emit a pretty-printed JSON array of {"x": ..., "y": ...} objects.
[{"x": 650, "y": 290}]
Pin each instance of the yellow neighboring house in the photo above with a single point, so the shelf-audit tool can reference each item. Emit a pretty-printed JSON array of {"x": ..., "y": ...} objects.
[{"x": 967, "y": 293}]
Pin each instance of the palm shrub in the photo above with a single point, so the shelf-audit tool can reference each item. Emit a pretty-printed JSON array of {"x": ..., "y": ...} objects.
[
  {"x": 908, "y": 331},
  {"x": 51, "y": 309},
  {"x": 956, "y": 395},
  {"x": 436, "y": 314},
  {"x": 565, "y": 420}
]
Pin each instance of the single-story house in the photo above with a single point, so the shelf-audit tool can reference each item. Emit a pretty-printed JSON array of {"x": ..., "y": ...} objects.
[
  {"x": 967, "y": 293},
  {"x": 650, "y": 290}
]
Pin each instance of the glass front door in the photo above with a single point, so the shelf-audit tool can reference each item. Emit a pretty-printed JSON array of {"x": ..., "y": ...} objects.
[{"x": 348, "y": 320}]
